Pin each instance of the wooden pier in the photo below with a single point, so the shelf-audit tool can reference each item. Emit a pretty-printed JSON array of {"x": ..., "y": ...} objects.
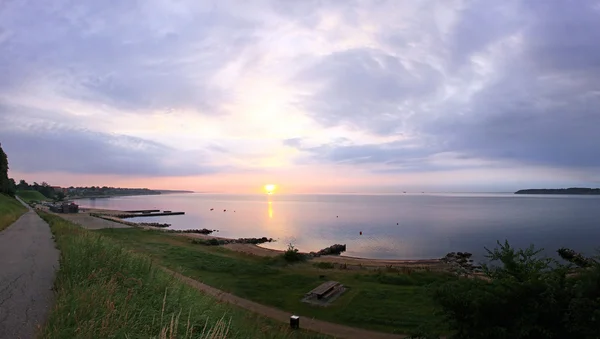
[
  {"x": 134, "y": 215},
  {"x": 144, "y": 211}
]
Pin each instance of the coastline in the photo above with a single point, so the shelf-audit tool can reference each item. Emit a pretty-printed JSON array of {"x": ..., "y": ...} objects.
[{"x": 255, "y": 250}]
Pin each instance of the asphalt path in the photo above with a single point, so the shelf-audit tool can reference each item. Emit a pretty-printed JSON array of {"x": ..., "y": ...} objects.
[{"x": 28, "y": 264}]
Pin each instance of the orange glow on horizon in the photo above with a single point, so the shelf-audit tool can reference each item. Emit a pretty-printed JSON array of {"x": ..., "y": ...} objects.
[{"x": 270, "y": 188}]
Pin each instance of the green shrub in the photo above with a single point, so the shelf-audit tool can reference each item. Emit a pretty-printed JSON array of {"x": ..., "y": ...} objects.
[
  {"x": 292, "y": 255},
  {"x": 523, "y": 297}
]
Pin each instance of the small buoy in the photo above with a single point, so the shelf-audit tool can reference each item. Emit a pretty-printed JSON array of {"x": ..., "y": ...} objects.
[
  {"x": 224, "y": 210},
  {"x": 212, "y": 209},
  {"x": 337, "y": 216},
  {"x": 360, "y": 232},
  {"x": 396, "y": 223}
]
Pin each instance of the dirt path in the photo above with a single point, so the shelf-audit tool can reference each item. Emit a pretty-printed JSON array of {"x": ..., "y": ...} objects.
[
  {"x": 335, "y": 330},
  {"x": 28, "y": 262}
]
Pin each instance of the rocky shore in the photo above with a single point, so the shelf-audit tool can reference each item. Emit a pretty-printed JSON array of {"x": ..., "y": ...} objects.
[
  {"x": 205, "y": 231},
  {"x": 222, "y": 241},
  {"x": 154, "y": 224},
  {"x": 336, "y": 249}
]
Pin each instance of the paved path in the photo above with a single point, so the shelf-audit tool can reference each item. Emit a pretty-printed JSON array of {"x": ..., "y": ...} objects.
[
  {"x": 335, "y": 330},
  {"x": 28, "y": 262},
  {"x": 91, "y": 223}
]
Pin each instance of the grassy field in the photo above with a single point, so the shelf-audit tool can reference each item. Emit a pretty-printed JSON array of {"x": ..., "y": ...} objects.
[
  {"x": 10, "y": 211},
  {"x": 388, "y": 300},
  {"x": 31, "y": 195},
  {"x": 104, "y": 290}
]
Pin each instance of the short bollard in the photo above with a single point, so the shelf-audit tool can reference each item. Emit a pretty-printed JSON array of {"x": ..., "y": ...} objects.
[{"x": 295, "y": 322}]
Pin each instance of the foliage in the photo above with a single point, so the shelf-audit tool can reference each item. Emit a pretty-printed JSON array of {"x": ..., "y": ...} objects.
[
  {"x": 10, "y": 211},
  {"x": 292, "y": 255},
  {"x": 104, "y": 290},
  {"x": 6, "y": 184},
  {"x": 44, "y": 188},
  {"x": 523, "y": 297},
  {"x": 574, "y": 257},
  {"x": 59, "y": 196}
]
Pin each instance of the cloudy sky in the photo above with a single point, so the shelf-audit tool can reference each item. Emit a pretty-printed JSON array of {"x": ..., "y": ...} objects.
[{"x": 315, "y": 96}]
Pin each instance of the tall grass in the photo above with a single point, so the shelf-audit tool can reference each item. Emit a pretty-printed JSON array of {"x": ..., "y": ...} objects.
[
  {"x": 106, "y": 291},
  {"x": 10, "y": 211}
]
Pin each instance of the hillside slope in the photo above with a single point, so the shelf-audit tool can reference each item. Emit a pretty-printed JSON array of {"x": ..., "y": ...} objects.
[{"x": 10, "y": 211}]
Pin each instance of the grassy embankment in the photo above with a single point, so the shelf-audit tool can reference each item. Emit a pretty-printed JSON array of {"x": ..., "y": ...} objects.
[
  {"x": 10, "y": 211},
  {"x": 388, "y": 300},
  {"x": 103, "y": 290},
  {"x": 30, "y": 195}
]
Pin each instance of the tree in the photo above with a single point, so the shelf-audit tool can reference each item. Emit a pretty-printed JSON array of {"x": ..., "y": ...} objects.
[
  {"x": 4, "y": 182},
  {"x": 524, "y": 297},
  {"x": 12, "y": 187},
  {"x": 22, "y": 185},
  {"x": 60, "y": 196}
]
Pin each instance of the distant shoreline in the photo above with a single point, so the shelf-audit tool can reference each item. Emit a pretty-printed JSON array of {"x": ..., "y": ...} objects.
[
  {"x": 565, "y": 191},
  {"x": 158, "y": 192}
]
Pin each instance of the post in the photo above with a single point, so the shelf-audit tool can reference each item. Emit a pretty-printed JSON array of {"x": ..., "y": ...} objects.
[{"x": 295, "y": 322}]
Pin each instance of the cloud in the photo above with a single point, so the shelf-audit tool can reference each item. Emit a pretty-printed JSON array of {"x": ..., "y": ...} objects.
[
  {"x": 367, "y": 89},
  {"x": 387, "y": 87},
  {"x": 162, "y": 59},
  {"x": 517, "y": 82},
  {"x": 35, "y": 147}
]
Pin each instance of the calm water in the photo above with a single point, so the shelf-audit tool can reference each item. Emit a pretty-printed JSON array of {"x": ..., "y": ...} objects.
[{"x": 408, "y": 226}]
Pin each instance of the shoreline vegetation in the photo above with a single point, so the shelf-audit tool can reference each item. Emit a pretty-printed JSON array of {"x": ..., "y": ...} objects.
[
  {"x": 105, "y": 290},
  {"x": 566, "y": 191}
]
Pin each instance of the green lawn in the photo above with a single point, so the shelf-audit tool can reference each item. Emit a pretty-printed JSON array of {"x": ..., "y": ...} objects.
[
  {"x": 103, "y": 290},
  {"x": 385, "y": 301},
  {"x": 10, "y": 211},
  {"x": 30, "y": 195}
]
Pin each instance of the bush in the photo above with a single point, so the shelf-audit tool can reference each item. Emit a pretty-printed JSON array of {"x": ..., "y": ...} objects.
[
  {"x": 523, "y": 297},
  {"x": 292, "y": 255}
]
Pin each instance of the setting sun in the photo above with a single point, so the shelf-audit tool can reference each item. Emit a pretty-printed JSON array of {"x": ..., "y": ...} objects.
[{"x": 270, "y": 188}]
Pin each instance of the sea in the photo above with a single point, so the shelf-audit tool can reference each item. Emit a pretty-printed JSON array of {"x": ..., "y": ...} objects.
[{"x": 384, "y": 226}]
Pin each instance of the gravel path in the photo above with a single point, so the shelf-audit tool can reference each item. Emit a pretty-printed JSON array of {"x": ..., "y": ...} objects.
[{"x": 28, "y": 262}]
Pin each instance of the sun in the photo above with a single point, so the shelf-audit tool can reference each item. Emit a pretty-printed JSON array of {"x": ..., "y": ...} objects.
[{"x": 270, "y": 188}]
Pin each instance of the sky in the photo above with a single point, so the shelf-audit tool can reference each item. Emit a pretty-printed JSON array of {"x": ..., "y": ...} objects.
[{"x": 313, "y": 96}]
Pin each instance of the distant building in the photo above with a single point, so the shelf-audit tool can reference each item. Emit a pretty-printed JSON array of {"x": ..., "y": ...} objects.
[{"x": 59, "y": 189}]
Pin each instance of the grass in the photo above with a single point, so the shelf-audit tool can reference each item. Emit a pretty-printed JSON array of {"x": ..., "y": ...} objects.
[
  {"x": 10, "y": 211},
  {"x": 31, "y": 195},
  {"x": 387, "y": 300},
  {"x": 104, "y": 290}
]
